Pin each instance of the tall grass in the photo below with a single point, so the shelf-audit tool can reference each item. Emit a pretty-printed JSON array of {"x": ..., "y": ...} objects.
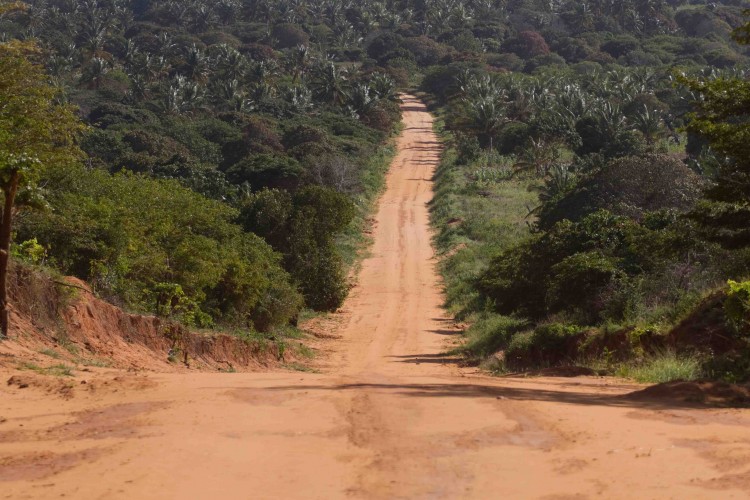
[
  {"x": 475, "y": 218},
  {"x": 663, "y": 367},
  {"x": 489, "y": 334}
]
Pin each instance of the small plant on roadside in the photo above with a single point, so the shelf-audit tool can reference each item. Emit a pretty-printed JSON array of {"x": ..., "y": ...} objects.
[{"x": 51, "y": 353}]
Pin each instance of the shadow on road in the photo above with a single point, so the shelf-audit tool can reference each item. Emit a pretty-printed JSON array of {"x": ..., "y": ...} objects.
[{"x": 460, "y": 390}]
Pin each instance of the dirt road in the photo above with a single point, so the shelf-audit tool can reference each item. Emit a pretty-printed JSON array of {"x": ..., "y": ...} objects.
[{"x": 386, "y": 417}]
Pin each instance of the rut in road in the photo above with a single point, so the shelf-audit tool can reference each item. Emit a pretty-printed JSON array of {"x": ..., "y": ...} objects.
[{"x": 387, "y": 417}]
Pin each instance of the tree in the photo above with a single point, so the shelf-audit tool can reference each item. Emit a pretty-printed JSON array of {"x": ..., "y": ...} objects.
[
  {"x": 330, "y": 83},
  {"x": 11, "y": 6},
  {"x": 649, "y": 123},
  {"x": 35, "y": 133},
  {"x": 722, "y": 116},
  {"x": 527, "y": 44}
]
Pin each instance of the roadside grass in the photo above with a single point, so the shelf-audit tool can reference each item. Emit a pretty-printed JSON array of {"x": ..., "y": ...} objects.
[
  {"x": 51, "y": 353},
  {"x": 299, "y": 367},
  {"x": 94, "y": 362},
  {"x": 475, "y": 217},
  {"x": 59, "y": 370},
  {"x": 662, "y": 367}
]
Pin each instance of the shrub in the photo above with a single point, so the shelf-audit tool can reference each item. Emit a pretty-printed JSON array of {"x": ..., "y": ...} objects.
[
  {"x": 315, "y": 264},
  {"x": 383, "y": 45},
  {"x": 149, "y": 243},
  {"x": 631, "y": 186},
  {"x": 426, "y": 51},
  {"x": 547, "y": 345},
  {"x": 737, "y": 305},
  {"x": 267, "y": 171},
  {"x": 584, "y": 274},
  {"x": 303, "y": 228},
  {"x": 289, "y": 35},
  {"x": 512, "y": 137},
  {"x": 508, "y": 61},
  {"x": 527, "y": 44},
  {"x": 620, "y": 46},
  {"x": 490, "y": 334}
]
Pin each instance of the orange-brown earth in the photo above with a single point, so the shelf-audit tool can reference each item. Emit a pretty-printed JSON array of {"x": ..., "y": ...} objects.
[{"x": 385, "y": 415}]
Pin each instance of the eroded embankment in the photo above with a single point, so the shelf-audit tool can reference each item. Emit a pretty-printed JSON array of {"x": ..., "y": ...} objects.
[{"x": 54, "y": 321}]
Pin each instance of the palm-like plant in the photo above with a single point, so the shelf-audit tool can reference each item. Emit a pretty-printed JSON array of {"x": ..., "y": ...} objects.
[
  {"x": 95, "y": 71},
  {"x": 384, "y": 87},
  {"x": 165, "y": 44},
  {"x": 299, "y": 98},
  {"x": 130, "y": 53},
  {"x": 230, "y": 64},
  {"x": 139, "y": 87},
  {"x": 539, "y": 158},
  {"x": 330, "y": 83},
  {"x": 610, "y": 119},
  {"x": 230, "y": 95},
  {"x": 261, "y": 91},
  {"x": 94, "y": 35},
  {"x": 227, "y": 10},
  {"x": 202, "y": 17},
  {"x": 298, "y": 60},
  {"x": 197, "y": 64},
  {"x": 58, "y": 65},
  {"x": 362, "y": 99},
  {"x": 261, "y": 71},
  {"x": 649, "y": 123},
  {"x": 486, "y": 117},
  {"x": 182, "y": 96}
]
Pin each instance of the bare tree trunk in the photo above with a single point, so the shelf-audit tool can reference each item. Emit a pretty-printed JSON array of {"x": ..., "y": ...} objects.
[{"x": 5, "y": 234}]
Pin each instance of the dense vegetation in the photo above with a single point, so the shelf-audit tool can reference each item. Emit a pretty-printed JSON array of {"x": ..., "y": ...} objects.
[
  {"x": 229, "y": 161},
  {"x": 593, "y": 208}
]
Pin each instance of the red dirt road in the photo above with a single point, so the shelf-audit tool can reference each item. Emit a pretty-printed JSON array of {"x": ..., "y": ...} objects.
[{"x": 386, "y": 417}]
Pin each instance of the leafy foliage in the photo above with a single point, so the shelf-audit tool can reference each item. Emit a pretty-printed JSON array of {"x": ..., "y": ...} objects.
[
  {"x": 621, "y": 243},
  {"x": 209, "y": 108},
  {"x": 35, "y": 132},
  {"x": 162, "y": 248}
]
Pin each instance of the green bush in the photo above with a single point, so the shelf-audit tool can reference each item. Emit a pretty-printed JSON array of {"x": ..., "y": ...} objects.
[
  {"x": 489, "y": 334},
  {"x": 267, "y": 171},
  {"x": 160, "y": 247},
  {"x": 303, "y": 228},
  {"x": 546, "y": 345},
  {"x": 577, "y": 281},
  {"x": 737, "y": 305}
]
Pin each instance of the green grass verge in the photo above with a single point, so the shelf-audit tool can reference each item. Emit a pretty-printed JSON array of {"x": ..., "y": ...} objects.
[
  {"x": 476, "y": 216},
  {"x": 663, "y": 367}
]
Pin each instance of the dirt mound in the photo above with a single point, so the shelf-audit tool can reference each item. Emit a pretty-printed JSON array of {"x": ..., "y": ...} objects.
[
  {"x": 705, "y": 392},
  {"x": 51, "y": 386},
  {"x": 66, "y": 322}
]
